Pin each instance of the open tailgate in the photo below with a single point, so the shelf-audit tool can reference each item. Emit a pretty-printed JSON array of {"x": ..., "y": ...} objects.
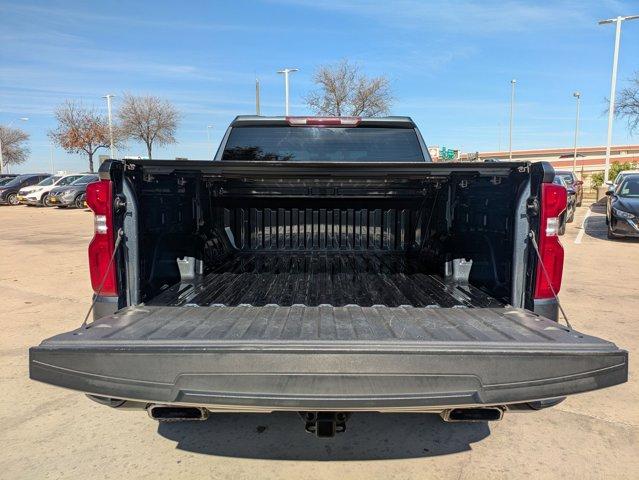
[{"x": 332, "y": 358}]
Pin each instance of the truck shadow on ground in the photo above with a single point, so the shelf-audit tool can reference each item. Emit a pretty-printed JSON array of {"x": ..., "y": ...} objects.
[
  {"x": 281, "y": 436},
  {"x": 595, "y": 226}
]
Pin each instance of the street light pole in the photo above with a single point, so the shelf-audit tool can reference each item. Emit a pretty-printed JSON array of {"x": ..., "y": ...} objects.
[
  {"x": 613, "y": 83},
  {"x": 51, "y": 151},
  {"x": 286, "y": 73},
  {"x": 208, "y": 139},
  {"x": 257, "y": 96},
  {"x": 512, "y": 108},
  {"x": 108, "y": 99},
  {"x": 23, "y": 119},
  {"x": 577, "y": 95}
]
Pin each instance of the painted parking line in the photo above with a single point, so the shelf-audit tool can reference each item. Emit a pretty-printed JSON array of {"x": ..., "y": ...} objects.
[{"x": 582, "y": 229}]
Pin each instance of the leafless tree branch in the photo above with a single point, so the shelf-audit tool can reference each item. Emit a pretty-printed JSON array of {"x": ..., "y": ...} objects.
[
  {"x": 81, "y": 130},
  {"x": 627, "y": 104},
  {"x": 14, "y": 150},
  {"x": 148, "y": 119},
  {"x": 344, "y": 90}
]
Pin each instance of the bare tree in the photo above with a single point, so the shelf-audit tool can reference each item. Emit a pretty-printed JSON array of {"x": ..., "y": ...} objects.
[
  {"x": 627, "y": 104},
  {"x": 149, "y": 119},
  {"x": 12, "y": 142},
  {"x": 81, "y": 129},
  {"x": 344, "y": 90}
]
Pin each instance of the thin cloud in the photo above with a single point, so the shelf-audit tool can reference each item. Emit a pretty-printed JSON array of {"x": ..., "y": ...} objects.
[
  {"x": 73, "y": 17},
  {"x": 68, "y": 16},
  {"x": 461, "y": 17}
]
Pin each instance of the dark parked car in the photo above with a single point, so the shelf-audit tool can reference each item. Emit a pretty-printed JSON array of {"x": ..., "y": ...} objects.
[
  {"x": 569, "y": 214},
  {"x": 6, "y": 178},
  {"x": 573, "y": 182},
  {"x": 622, "y": 211},
  {"x": 72, "y": 195},
  {"x": 619, "y": 178},
  {"x": 9, "y": 191}
]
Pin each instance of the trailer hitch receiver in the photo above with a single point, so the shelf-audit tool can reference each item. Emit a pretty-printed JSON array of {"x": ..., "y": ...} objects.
[{"x": 324, "y": 424}]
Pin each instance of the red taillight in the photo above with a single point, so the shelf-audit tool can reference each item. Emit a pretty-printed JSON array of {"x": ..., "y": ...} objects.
[
  {"x": 324, "y": 121},
  {"x": 100, "y": 199},
  {"x": 553, "y": 202}
]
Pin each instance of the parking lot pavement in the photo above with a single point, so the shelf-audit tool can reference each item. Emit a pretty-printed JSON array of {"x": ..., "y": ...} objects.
[{"x": 52, "y": 433}]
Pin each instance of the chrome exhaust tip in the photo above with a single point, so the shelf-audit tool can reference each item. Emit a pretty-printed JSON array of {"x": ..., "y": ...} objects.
[
  {"x": 476, "y": 414},
  {"x": 174, "y": 413}
]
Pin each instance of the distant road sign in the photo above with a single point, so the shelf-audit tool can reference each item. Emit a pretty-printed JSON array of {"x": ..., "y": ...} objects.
[{"x": 447, "y": 153}]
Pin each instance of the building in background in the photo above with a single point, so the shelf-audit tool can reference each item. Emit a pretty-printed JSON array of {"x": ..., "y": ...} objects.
[{"x": 589, "y": 159}]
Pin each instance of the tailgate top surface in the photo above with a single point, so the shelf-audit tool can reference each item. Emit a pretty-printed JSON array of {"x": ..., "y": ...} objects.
[{"x": 325, "y": 325}]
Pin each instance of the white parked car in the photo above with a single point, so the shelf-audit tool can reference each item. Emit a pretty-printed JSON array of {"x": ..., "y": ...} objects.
[{"x": 39, "y": 194}]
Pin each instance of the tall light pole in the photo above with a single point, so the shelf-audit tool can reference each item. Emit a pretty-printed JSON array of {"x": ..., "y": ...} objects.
[
  {"x": 286, "y": 72},
  {"x": 512, "y": 110},
  {"x": 613, "y": 83},
  {"x": 208, "y": 139},
  {"x": 108, "y": 99},
  {"x": 257, "y": 96},
  {"x": 51, "y": 152},
  {"x": 22, "y": 119},
  {"x": 577, "y": 95}
]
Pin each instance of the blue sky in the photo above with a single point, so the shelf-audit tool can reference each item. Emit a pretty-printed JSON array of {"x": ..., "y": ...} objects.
[{"x": 450, "y": 64}]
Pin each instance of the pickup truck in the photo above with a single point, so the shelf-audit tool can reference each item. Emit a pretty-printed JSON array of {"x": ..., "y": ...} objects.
[{"x": 326, "y": 266}]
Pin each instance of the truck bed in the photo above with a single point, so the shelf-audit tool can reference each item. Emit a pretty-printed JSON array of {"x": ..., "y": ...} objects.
[
  {"x": 317, "y": 278},
  {"x": 314, "y": 282}
]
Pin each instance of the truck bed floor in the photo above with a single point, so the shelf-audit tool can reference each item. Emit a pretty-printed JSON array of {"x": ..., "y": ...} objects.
[{"x": 313, "y": 279}]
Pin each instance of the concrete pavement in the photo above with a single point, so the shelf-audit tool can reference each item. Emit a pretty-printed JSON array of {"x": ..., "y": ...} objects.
[{"x": 52, "y": 433}]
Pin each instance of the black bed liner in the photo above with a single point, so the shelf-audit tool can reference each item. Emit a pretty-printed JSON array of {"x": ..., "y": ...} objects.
[
  {"x": 316, "y": 278},
  {"x": 331, "y": 358}
]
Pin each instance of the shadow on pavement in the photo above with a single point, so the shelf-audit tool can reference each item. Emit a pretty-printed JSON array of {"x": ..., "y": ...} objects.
[
  {"x": 595, "y": 226},
  {"x": 281, "y": 436}
]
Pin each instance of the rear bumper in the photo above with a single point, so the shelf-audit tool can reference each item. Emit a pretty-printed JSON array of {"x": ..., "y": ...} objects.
[
  {"x": 342, "y": 377},
  {"x": 61, "y": 201}
]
